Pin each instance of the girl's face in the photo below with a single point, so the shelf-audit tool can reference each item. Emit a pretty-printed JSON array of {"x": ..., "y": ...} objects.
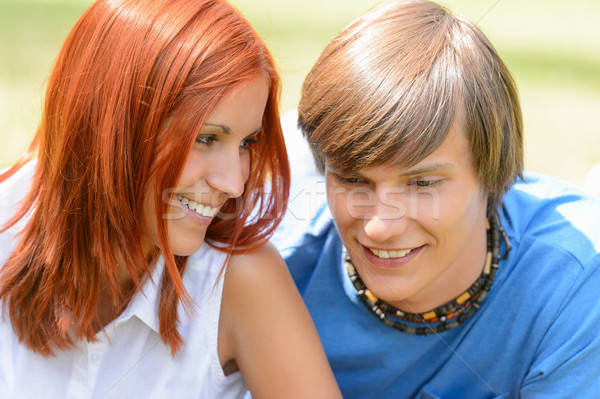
[{"x": 216, "y": 169}]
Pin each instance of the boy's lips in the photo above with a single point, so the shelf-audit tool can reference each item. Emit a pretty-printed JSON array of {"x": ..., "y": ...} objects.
[{"x": 385, "y": 254}]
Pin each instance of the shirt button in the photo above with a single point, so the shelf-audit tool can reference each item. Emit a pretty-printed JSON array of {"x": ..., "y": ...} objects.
[{"x": 94, "y": 358}]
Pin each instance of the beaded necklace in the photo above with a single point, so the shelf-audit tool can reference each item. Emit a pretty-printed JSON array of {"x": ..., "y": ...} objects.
[{"x": 448, "y": 315}]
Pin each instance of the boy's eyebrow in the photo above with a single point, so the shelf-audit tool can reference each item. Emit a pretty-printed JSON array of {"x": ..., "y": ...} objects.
[
  {"x": 427, "y": 168},
  {"x": 410, "y": 172},
  {"x": 331, "y": 170}
]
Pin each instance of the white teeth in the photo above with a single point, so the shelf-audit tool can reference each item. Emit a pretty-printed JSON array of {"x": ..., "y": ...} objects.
[
  {"x": 205, "y": 210},
  {"x": 202, "y": 210},
  {"x": 390, "y": 254},
  {"x": 208, "y": 211}
]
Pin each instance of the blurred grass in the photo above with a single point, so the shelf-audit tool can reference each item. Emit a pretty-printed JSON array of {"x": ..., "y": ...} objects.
[{"x": 551, "y": 46}]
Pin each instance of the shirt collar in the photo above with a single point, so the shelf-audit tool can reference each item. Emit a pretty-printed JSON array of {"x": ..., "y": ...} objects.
[{"x": 145, "y": 303}]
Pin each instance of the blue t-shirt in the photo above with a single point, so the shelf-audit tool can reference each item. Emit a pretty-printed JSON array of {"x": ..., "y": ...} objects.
[{"x": 536, "y": 335}]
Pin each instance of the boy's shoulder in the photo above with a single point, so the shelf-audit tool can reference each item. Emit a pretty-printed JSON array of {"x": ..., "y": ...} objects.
[{"x": 557, "y": 213}]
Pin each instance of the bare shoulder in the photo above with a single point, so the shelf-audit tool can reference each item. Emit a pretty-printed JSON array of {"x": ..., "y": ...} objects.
[
  {"x": 261, "y": 266},
  {"x": 254, "y": 282},
  {"x": 250, "y": 281},
  {"x": 266, "y": 253},
  {"x": 265, "y": 323}
]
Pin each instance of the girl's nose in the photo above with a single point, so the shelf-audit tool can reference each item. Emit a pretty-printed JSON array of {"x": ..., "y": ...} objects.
[{"x": 230, "y": 174}]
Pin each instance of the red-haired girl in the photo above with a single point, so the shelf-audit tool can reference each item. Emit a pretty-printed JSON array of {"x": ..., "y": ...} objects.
[{"x": 133, "y": 256}]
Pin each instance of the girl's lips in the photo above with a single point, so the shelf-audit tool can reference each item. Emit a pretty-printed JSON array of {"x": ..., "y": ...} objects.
[
  {"x": 200, "y": 209},
  {"x": 390, "y": 262},
  {"x": 194, "y": 216}
]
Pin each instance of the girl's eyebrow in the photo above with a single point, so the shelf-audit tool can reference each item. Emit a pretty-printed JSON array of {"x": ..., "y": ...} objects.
[{"x": 226, "y": 129}]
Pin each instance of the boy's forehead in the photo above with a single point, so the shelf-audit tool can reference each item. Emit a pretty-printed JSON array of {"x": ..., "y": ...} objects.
[{"x": 453, "y": 150}]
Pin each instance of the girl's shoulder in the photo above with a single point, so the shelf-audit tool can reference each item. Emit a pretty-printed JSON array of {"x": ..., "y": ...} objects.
[
  {"x": 260, "y": 266},
  {"x": 264, "y": 322}
]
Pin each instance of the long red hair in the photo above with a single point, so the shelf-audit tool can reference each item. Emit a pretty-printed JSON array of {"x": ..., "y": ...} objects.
[{"x": 103, "y": 146}]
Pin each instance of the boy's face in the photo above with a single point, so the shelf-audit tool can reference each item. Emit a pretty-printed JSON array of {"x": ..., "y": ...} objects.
[{"x": 417, "y": 235}]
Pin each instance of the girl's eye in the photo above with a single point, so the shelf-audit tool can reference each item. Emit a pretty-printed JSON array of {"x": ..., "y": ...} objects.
[
  {"x": 207, "y": 140},
  {"x": 247, "y": 143}
]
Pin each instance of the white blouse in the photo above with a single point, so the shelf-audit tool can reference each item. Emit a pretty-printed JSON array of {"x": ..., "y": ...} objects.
[{"x": 129, "y": 360}]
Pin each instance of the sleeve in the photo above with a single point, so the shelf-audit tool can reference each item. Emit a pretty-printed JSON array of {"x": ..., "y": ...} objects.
[{"x": 568, "y": 357}]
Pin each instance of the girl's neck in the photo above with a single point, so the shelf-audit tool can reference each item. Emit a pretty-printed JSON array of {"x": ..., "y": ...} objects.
[{"x": 110, "y": 304}]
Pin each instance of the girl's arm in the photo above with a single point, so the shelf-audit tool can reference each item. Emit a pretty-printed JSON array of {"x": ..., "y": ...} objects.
[{"x": 266, "y": 331}]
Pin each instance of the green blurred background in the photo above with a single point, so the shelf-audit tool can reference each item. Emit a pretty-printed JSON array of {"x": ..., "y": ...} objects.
[{"x": 551, "y": 46}]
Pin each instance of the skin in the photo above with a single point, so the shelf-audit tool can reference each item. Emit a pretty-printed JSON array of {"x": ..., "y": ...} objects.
[
  {"x": 266, "y": 331},
  {"x": 263, "y": 324},
  {"x": 436, "y": 209},
  {"x": 216, "y": 169}
]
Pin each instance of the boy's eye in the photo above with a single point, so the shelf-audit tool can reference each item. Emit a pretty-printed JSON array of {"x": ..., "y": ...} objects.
[
  {"x": 352, "y": 180},
  {"x": 348, "y": 180},
  {"x": 424, "y": 183}
]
